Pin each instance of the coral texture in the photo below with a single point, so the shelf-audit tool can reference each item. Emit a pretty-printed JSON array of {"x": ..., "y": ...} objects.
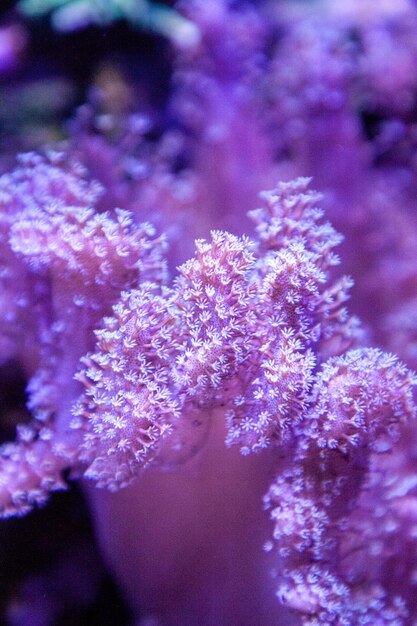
[{"x": 244, "y": 436}]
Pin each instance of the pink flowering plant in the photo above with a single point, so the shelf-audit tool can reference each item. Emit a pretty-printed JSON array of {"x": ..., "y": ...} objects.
[{"x": 245, "y": 442}]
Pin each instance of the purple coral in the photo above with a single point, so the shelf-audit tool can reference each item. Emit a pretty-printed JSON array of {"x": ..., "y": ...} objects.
[
  {"x": 185, "y": 396},
  {"x": 360, "y": 404},
  {"x": 237, "y": 338},
  {"x": 237, "y": 330},
  {"x": 77, "y": 261}
]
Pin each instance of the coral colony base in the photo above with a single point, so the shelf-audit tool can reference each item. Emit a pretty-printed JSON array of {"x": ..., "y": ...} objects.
[{"x": 246, "y": 444}]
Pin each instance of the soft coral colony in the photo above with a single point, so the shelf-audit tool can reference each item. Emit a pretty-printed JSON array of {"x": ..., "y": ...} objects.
[{"x": 248, "y": 454}]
